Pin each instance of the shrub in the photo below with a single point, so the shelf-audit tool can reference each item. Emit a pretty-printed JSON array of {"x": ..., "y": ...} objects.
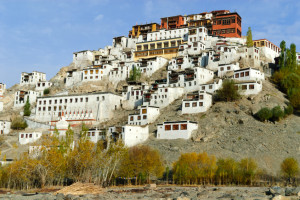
[
  {"x": 46, "y": 91},
  {"x": 288, "y": 110},
  {"x": 228, "y": 92},
  {"x": 294, "y": 98},
  {"x": 264, "y": 114},
  {"x": 18, "y": 123},
  {"x": 277, "y": 113}
]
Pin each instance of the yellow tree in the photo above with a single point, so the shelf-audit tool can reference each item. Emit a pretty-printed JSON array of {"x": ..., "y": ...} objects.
[{"x": 289, "y": 168}]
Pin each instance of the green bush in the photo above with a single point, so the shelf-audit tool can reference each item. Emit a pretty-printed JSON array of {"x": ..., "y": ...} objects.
[
  {"x": 228, "y": 92},
  {"x": 46, "y": 91},
  {"x": 264, "y": 114},
  {"x": 288, "y": 110},
  {"x": 18, "y": 123},
  {"x": 277, "y": 113}
]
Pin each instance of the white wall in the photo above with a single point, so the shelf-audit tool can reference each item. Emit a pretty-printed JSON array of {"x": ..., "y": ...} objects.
[
  {"x": 146, "y": 115},
  {"x": 133, "y": 135},
  {"x": 223, "y": 69},
  {"x": 249, "y": 74},
  {"x": 41, "y": 86},
  {"x": 80, "y": 58},
  {"x": 25, "y": 138},
  {"x": 181, "y": 133},
  {"x": 191, "y": 106},
  {"x": 251, "y": 88},
  {"x": 93, "y": 106},
  {"x": 32, "y": 78},
  {"x": 4, "y": 127},
  {"x": 31, "y": 95}
]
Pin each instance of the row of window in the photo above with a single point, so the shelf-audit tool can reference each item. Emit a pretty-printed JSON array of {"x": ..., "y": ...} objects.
[
  {"x": 158, "y": 45},
  {"x": 242, "y": 74},
  {"x": 194, "y": 104},
  {"x": 245, "y": 87},
  {"x": 138, "y": 117},
  {"x": 176, "y": 127},
  {"x": 76, "y": 100}
]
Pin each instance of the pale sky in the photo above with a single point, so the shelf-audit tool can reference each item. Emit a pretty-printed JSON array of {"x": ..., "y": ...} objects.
[{"x": 41, "y": 35}]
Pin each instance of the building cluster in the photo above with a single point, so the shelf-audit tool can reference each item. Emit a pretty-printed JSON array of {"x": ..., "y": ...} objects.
[{"x": 198, "y": 51}]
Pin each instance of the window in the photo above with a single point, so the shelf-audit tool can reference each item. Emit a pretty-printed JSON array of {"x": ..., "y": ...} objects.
[
  {"x": 222, "y": 69},
  {"x": 183, "y": 127},
  {"x": 228, "y": 68},
  {"x": 131, "y": 118},
  {"x": 210, "y": 87},
  {"x": 81, "y": 99},
  {"x": 139, "y": 117},
  {"x": 175, "y": 127},
  {"x": 244, "y": 87},
  {"x": 144, "y": 111},
  {"x": 167, "y": 127},
  {"x": 194, "y": 104},
  {"x": 242, "y": 74},
  {"x": 251, "y": 87},
  {"x": 144, "y": 116},
  {"x": 86, "y": 99},
  {"x": 187, "y": 104},
  {"x": 246, "y": 73},
  {"x": 237, "y": 75},
  {"x": 200, "y": 103},
  {"x": 30, "y": 135},
  {"x": 22, "y": 135}
]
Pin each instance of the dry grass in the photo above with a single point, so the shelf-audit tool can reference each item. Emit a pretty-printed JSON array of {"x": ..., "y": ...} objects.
[{"x": 82, "y": 189}]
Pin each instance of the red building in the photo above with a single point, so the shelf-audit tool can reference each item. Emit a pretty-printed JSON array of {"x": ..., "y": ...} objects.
[
  {"x": 227, "y": 24},
  {"x": 172, "y": 22}
]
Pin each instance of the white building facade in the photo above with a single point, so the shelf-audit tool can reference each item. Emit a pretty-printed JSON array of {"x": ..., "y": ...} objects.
[
  {"x": 197, "y": 102},
  {"x": 249, "y": 74},
  {"x": 2, "y": 89},
  {"x": 4, "y": 127},
  {"x": 176, "y": 130},
  {"x": 32, "y": 78},
  {"x": 133, "y": 135},
  {"x": 146, "y": 115},
  {"x": 78, "y": 108},
  {"x": 25, "y": 138},
  {"x": 22, "y": 96}
]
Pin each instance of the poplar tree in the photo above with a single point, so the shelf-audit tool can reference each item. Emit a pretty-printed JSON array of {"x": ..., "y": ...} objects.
[
  {"x": 293, "y": 56},
  {"x": 282, "y": 56},
  {"x": 249, "y": 38},
  {"x": 27, "y": 111}
]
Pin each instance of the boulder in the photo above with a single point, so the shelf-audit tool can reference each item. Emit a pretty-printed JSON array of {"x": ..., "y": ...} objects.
[{"x": 276, "y": 190}]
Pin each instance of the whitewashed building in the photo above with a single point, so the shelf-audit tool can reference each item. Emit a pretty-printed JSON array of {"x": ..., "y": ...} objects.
[
  {"x": 2, "y": 89},
  {"x": 95, "y": 134},
  {"x": 83, "y": 58},
  {"x": 133, "y": 135},
  {"x": 133, "y": 95},
  {"x": 151, "y": 65},
  {"x": 146, "y": 115},
  {"x": 4, "y": 127},
  {"x": 78, "y": 107},
  {"x": 190, "y": 79},
  {"x": 249, "y": 87},
  {"x": 180, "y": 63},
  {"x": 211, "y": 86},
  {"x": 60, "y": 127},
  {"x": 25, "y": 138},
  {"x": 223, "y": 69},
  {"x": 164, "y": 34},
  {"x": 298, "y": 58},
  {"x": 95, "y": 73},
  {"x": 196, "y": 39},
  {"x": 267, "y": 49},
  {"x": 73, "y": 77},
  {"x": 41, "y": 86},
  {"x": 249, "y": 74},
  {"x": 176, "y": 130},
  {"x": 162, "y": 97},
  {"x": 32, "y": 78},
  {"x": 196, "y": 102},
  {"x": 22, "y": 96}
]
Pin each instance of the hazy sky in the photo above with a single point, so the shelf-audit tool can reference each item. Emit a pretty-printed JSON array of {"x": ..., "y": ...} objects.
[{"x": 41, "y": 35}]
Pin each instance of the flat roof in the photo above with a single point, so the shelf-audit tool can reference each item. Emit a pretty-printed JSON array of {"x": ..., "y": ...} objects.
[
  {"x": 268, "y": 41},
  {"x": 172, "y": 16},
  {"x": 246, "y": 69},
  {"x": 232, "y": 13},
  {"x": 175, "y": 122}
]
